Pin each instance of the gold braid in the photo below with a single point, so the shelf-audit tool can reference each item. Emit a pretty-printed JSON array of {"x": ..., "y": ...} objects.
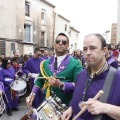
[{"x": 46, "y": 84}]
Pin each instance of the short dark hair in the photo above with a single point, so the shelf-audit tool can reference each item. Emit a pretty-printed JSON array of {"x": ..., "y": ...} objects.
[
  {"x": 14, "y": 59},
  {"x": 101, "y": 38},
  {"x": 36, "y": 49},
  {"x": 5, "y": 61},
  {"x": 63, "y": 34},
  {"x": 108, "y": 46}
]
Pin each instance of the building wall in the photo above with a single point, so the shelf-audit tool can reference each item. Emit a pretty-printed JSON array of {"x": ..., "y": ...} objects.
[
  {"x": 60, "y": 26},
  {"x": 74, "y": 37},
  {"x": 118, "y": 22},
  {"x": 114, "y": 33},
  {"x": 35, "y": 19},
  {"x": 13, "y": 18},
  {"x": 8, "y": 19}
]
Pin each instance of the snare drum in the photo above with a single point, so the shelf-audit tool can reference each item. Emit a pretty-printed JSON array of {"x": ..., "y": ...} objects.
[
  {"x": 51, "y": 109},
  {"x": 19, "y": 86}
]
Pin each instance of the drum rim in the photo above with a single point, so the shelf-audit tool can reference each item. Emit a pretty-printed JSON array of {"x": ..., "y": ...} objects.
[
  {"x": 21, "y": 89},
  {"x": 21, "y": 94}
]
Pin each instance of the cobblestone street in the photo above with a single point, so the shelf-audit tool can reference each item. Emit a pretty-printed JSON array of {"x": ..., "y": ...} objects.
[{"x": 17, "y": 114}]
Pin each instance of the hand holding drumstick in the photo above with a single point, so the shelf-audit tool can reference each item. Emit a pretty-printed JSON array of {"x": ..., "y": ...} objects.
[
  {"x": 86, "y": 106},
  {"x": 16, "y": 76}
]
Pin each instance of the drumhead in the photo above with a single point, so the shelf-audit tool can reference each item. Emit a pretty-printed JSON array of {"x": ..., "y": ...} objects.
[{"x": 18, "y": 85}]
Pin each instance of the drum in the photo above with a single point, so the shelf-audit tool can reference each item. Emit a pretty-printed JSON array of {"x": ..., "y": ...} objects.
[
  {"x": 51, "y": 109},
  {"x": 19, "y": 86}
]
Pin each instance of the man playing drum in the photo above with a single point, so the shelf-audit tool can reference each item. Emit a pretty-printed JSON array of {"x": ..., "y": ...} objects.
[
  {"x": 93, "y": 79},
  {"x": 59, "y": 72},
  {"x": 7, "y": 76},
  {"x": 32, "y": 69}
]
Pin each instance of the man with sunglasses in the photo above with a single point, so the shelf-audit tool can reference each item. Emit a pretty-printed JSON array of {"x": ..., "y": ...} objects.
[
  {"x": 62, "y": 76},
  {"x": 32, "y": 69}
]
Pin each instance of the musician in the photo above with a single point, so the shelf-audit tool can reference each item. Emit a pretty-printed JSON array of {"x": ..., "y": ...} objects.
[
  {"x": 91, "y": 80},
  {"x": 17, "y": 55},
  {"x": 58, "y": 67},
  {"x": 7, "y": 76},
  {"x": 110, "y": 59},
  {"x": 32, "y": 69},
  {"x": 17, "y": 67},
  {"x": 45, "y": 55}
]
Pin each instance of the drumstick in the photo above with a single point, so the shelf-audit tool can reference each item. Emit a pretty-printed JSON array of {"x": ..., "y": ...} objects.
[
  {"x": 49, "y": 77},
  {"x": 18, "y": 71},
  {"x": 85, "y": 107},
  {"x": 5, "y": 97},
  {"x": 26, "y": 116}
]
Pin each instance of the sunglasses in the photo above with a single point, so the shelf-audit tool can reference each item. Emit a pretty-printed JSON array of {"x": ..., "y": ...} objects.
[{"x": 64, "y": 42}]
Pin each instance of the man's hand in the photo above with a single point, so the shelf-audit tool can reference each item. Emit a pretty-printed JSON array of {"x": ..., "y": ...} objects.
[
  {"x": 30, "y": 74},
  {"x": 67, "y": 114},
  {"x": 54, "y": 82},
  {"x": 0, "y": 92},
  {"x": 95, "y": 107},
  {"x": 16, "y": 76},
  {"x": 29, "y": 100}
]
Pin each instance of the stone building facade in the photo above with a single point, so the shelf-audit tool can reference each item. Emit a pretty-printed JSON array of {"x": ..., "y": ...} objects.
[
  {"x": 114, "y": 33},
  {"x": 118, "y": 22},
  {"x": 26, "y": 24}
]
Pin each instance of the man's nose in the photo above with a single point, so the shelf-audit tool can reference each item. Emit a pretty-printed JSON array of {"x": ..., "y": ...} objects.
[
  {"x": 60, "y": 42},
  {"x": 88, "y": 51}
]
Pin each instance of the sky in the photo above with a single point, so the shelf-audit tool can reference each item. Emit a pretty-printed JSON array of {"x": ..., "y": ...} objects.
[{"x": 88, "y": 16}]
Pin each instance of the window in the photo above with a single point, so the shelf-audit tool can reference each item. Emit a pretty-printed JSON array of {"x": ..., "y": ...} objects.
[
  {"x": 27, "y": 33},
  {"x": 27, "y": 9},
  {"x": 76, "y": 36},
  {"x": 12, "y": 46},
  {"x": 2, "y": 47},
  {"x": 65, "y": 27},
  {"x": 70, "y": 33},
  {"x": 43, "y": 17},
  {"x": 42, "y": 39}
]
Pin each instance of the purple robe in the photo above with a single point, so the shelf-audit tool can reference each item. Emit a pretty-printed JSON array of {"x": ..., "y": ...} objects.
[
  {"x": 45, "y": 57},
  {"x": 111, "y": 61},
  {"x": 95, "y": 86},
  {"x": 33, "y": 66},
  {"x": 2, "y": 87},
  {"x": 7, "y": 77}
]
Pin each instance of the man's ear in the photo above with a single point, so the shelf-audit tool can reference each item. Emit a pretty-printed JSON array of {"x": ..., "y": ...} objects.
[
  {"x": 104, "y": 50},
  {"x": 54, "y": 45},
  {"x": 68, "y": 45}
]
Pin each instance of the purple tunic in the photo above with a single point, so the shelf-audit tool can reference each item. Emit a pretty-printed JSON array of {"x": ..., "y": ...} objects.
[
  {"x": 111, "y": 61},
  {"x": 45, "y": 57},
  {"x": 33, "y": 66},
  {"x": 2, "y": 87},
  {"x": 95, "y": 86},
  {"x": 7, "y": 77}
]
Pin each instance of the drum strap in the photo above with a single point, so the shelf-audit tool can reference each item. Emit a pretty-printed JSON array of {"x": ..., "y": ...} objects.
[
  {"x": 106, "y": 88},
  {"x": 13, "y": 94},
  {"x": 46, "y": 84},
  {"x": 2, "y": 104}
]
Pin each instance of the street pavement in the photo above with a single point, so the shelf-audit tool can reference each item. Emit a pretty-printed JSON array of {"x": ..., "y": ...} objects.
[{"x": 17, "y": 114}]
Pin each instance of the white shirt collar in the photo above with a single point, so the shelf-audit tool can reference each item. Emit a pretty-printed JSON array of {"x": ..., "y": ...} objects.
[{"x": 60, "y": 59}]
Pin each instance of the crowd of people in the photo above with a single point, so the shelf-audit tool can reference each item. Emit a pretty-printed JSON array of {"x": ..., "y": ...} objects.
[{"x": 75, "y": 78}]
